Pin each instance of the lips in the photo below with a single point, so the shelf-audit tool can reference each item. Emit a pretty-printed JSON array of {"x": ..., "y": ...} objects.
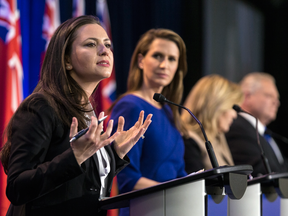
[
  {"x": 103, "y": 63},
  {"x": 162, "y": 74}
]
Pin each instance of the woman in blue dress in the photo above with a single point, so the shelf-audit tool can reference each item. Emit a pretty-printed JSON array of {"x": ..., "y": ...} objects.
[{"x": 158, "y": 65}]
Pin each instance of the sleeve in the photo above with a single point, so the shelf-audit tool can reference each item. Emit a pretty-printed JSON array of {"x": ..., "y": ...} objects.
[
  {"x": 120, "y": 163},
  {"x": 29, "y": 175},
  {"x": 129, "y": 176},
  {"x": 192, "y": 156}
]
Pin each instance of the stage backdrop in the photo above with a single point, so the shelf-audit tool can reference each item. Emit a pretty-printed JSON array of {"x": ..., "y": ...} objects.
[{"x": 216, "y": 37}]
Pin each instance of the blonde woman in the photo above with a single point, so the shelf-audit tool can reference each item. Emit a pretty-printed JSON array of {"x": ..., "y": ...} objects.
[{"x": 211, "y": 101}]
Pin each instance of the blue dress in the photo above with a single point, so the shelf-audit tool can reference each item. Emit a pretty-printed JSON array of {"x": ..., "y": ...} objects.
[{"x": 159, "y": 156}]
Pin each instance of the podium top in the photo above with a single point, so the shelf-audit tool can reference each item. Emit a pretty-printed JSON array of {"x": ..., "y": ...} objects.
[
  {"x": 272, "y": 183},
  {"x": 122, "y": 200},
  {"x": 267, "y": 178}
]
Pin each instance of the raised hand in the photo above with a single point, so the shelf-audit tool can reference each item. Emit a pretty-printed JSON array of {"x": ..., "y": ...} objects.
[
  {"x": 92, "y": 141},
  {"x": 125, "y": 140}
]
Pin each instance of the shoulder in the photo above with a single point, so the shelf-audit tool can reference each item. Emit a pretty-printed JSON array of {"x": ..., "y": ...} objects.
[
  {"x": 195, "y": 137},
  {"x": 189, "y": 141},
  {"x": 36, "y": 104},
  {"x": 35, "y": 100},
  {"x": 129, "y": 98},
  {"x": 240, "y": 124},
  {"x": 130, "y": 102}
]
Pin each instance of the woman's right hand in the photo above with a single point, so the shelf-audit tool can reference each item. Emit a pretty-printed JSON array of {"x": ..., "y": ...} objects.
[{"x": 92, "y": 141}]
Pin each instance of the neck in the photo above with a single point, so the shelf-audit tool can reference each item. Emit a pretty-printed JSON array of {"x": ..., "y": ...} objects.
[
  {"x": 89, "y": 88},
  {"x": 147, "y": 95}
]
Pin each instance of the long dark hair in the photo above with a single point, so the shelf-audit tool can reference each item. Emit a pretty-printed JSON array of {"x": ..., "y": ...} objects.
[{"x": 63, "y": 93}]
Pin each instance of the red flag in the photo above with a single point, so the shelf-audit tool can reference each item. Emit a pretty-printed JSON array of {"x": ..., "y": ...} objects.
[
  {"x": 107, "y": 87},
  {"x": 51, "y": 20},
  {"x": 11, "y": 76},
  {"x": 78, "y": 8}
]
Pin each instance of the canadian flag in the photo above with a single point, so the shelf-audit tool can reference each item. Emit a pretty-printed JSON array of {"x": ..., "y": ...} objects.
[
  {"x": 11, "y": 76},
  {"x": 51, "y": 19}
]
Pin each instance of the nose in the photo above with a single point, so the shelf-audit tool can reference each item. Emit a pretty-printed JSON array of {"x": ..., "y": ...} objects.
[
  {"x": 277, "y": 102},
  {"x": 163, "y": 63},
  {"x": 102, "y": 50}
]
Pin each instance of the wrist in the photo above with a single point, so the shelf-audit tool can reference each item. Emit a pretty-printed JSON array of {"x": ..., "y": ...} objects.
[{"x": 77, "y": 155}]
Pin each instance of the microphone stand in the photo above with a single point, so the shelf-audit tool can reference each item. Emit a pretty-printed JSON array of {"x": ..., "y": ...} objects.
[
  {"x": 160, "y": 98},
  {"x": 263, "y": 156}
]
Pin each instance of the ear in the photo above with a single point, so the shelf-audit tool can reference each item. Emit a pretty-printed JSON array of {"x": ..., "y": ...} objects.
[
  {"x": 68, "y": 64},
  {"x": 140, "y": 60},
  {"x": 247, "y": 95}
]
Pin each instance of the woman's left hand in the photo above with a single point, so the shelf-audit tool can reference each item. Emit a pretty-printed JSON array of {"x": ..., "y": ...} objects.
[{"x": 127, "y": 139}]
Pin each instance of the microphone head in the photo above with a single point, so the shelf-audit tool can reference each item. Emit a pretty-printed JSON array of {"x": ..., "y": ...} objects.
[
  {"x": 159, "y": 97},
  {"x": 237, "y": 108}
]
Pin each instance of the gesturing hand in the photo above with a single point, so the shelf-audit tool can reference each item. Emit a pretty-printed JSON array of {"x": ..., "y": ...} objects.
[
  {"x": 125, "y": 140},
  {"x": 92, "y": 141}
]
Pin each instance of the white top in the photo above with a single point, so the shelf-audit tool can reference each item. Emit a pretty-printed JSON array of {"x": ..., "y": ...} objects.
[
  {"x": 104, "y": 169},
  {"x": 103, "y": 162}
]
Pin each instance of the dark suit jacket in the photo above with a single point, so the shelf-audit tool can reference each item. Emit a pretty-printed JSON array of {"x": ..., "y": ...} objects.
[
  {"x": 243, "y": 144},
  {"x": 43, "y": 174}
]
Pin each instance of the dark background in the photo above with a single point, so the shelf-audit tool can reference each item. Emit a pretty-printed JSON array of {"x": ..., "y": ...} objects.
[{"x": 131, "y": 18}]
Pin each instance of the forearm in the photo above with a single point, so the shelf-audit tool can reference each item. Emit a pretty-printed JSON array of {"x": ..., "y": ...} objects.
[
  {"x": 26, "y": 185},
  {"x": 144, "y": 183}
]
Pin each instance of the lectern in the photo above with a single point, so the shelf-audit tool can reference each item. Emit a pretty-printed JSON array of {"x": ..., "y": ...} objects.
[
  {"x": 272, "y": 185},
  {"x": 183, "y": 196}
]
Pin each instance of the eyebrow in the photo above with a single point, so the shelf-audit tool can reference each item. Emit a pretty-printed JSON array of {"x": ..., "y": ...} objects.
[
  {"x": 96, "y": 39},
  {"x": 161, "y": 53}
]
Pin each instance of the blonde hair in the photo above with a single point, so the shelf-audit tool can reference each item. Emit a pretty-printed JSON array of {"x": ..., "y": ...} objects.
[
  {"x": 209, "y": 98},
  {"x": 253, "y": 81}
]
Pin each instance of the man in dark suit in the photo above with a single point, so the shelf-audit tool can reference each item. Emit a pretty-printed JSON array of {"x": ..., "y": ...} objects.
[{"x": 261, "y": 99}]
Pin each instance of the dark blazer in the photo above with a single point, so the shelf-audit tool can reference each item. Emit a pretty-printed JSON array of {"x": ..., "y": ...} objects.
[
  {"x": 192, "y": 157},
  {"x": 43, "y": 174},
  {"x": 242, "y": 141}
]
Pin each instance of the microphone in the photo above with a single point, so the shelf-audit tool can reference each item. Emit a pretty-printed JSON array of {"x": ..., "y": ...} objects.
[
  {"x": 160, "y": 98},
  {"x": 264, "y": 158}
]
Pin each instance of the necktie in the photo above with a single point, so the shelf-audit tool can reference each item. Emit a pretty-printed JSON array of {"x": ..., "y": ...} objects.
[{"x": 275, "y": 148}]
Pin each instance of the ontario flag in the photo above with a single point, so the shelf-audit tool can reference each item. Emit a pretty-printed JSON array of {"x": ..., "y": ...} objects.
[
  {"x": 107, "y": 87},
  {"x": 78, "y": 8},
  {"x": 11, "y": 76},
  {"x": 51, "y": 20}
]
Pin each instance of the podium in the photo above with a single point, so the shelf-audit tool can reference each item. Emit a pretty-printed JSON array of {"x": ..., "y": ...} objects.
[
  {"x": 183, "y": 196},
  {"x": 271, "y": 185}
]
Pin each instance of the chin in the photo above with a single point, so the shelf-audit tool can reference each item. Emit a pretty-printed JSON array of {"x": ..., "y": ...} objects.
[{"x": 105, "y": 76}]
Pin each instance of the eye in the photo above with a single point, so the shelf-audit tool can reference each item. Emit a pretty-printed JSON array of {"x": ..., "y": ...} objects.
[
  {"x": 172, "y": 59},
  {"x": 91, "y": 44},
  {"x": 157, "y": 56},
  {"x": 108, "y": 45}
]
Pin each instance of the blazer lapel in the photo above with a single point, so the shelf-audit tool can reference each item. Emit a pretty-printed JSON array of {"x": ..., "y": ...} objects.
[
  {"x": 112, "y": 166},
  {"x": 95, "y": 159}
]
